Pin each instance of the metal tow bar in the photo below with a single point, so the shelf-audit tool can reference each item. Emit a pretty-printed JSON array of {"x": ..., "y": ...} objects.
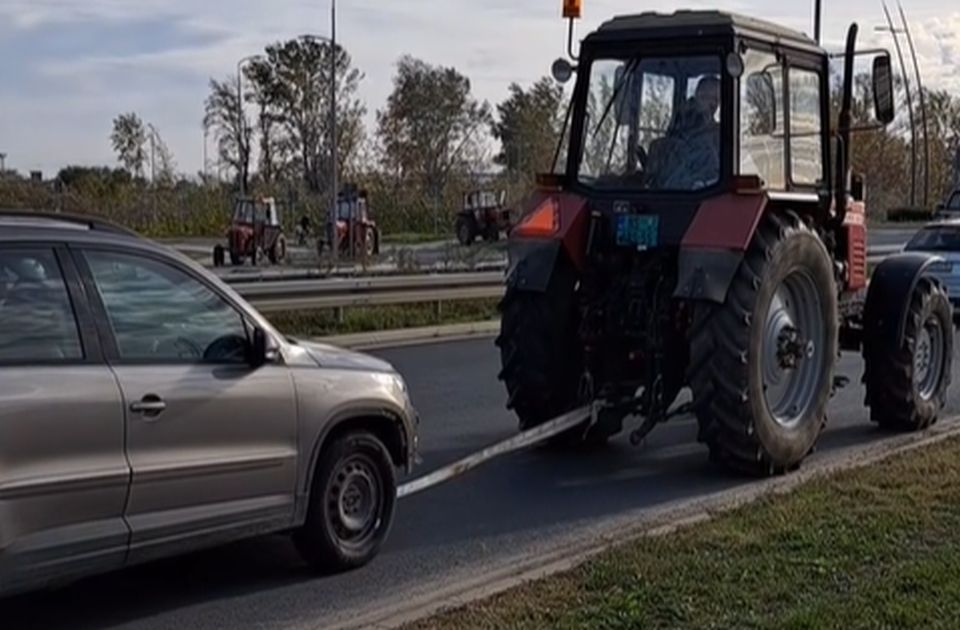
[{"x": 518, "y": 442}]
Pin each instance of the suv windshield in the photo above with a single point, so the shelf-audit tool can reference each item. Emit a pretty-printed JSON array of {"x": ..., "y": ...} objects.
[
  {"x": 936, "y": 239},
  {"x": 652, "y": 123}
]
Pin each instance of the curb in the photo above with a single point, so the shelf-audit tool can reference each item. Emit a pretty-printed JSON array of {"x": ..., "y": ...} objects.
[
  {"x": 632, "y": 527},
  {"x": 382, "y": 339}
]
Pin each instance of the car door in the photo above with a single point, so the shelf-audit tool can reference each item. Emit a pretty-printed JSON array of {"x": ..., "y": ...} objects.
[
  {"x": 63, "y": 473},
  {"x": 211, "y": 440}
]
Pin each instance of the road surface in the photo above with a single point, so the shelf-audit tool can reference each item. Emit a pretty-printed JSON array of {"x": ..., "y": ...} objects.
[{"x": 518, "y": 505}]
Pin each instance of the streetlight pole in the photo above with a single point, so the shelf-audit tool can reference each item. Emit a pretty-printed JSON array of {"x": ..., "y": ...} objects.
[
  {"x": 241, "y": 127},
  {"x": 3, "y": 163},
  {"x": 334, "y": 184}
]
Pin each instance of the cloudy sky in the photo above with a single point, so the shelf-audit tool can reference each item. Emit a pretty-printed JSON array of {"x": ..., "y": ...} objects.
[{"x": 67, "y": 67}]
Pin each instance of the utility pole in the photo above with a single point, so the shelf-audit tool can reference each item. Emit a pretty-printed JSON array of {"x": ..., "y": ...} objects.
[
  {"x": 243, "y": 153},
  {"x": 334, "y": 184},
  {"x": 895, "y": 32},
  {"x": 3, "y": 163}
]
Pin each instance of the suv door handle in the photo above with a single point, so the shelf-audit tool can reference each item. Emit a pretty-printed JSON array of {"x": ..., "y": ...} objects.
[{"x": 150, "y": 406}]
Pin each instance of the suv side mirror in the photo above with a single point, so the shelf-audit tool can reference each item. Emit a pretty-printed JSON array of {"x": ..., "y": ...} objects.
[
  {"x": 258, "y": 348},
  {"x": 883, "y": 99}
]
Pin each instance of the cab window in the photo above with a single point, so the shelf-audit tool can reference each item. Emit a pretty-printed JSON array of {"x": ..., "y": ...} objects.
[
  {"x": 762, "y": 133},
  {"x": 806, "y": 128}
]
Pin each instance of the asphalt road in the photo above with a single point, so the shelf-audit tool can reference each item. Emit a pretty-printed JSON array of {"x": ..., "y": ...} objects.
[{"x": 515, "y": 506}]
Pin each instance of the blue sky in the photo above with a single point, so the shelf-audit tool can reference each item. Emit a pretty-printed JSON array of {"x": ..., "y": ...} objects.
[{"x": 69, "y": 66}]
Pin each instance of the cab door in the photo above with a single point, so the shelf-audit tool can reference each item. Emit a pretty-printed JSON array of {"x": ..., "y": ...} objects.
[{"x": 210, "y": 438}]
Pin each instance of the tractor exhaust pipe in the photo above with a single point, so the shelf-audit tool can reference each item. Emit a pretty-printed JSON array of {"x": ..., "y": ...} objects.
[
  {"x": 817, "y": 19},
  {"x": 843, "y": 151}
]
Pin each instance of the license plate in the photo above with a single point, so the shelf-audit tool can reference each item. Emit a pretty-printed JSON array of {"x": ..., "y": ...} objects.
[{"x": 638, "y": 230}]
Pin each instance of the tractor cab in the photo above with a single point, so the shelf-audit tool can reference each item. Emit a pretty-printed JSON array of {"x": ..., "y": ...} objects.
[{"x": 670, "y": 111}]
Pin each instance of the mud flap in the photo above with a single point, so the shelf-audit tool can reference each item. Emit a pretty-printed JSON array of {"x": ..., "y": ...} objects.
[
  {"x": 888, "y": 298},
  {"x": 705, "y": 274},
  {"x": 531, "y": 263}
]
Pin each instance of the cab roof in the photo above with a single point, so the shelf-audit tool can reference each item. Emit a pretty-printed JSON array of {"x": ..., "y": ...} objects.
[{"x": 683, "y": 24}]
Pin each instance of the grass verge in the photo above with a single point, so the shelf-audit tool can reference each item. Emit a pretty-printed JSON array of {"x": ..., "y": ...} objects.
[
  {"x": 374, "y": 318},
  {"x": 872, "y": 548}
]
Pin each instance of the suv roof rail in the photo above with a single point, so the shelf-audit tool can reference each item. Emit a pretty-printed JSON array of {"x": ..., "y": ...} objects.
[{"x": 90, "y": 222}]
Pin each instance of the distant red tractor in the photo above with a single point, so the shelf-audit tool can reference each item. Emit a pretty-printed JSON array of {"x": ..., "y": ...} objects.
[
  {"x": 484, "y": 214},
  {"x": 255, "y": 234},
  {"x": 354, "y": 221},
  {"x": 705, "y": 232}
]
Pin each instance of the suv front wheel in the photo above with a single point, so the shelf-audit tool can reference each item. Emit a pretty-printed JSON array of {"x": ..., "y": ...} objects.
[{"x": 351, "y": 504}]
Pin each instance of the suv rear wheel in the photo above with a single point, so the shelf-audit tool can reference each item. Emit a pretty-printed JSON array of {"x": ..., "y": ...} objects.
[{"x": 351, "y": 504}]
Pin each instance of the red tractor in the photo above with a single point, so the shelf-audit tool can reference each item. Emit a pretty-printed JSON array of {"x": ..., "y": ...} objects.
[
  {"x": 704, "y": 231},
  {"x": 484, "y": 214},
  {"x": 354, "y": 223},
  {"x": 255, "y": 233}
]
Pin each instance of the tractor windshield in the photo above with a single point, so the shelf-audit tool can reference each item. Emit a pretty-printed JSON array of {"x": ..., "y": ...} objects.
[{"x": 652, "y": 123}]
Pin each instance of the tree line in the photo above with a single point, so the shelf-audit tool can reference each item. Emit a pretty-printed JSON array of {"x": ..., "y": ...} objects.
[{"x": 431, "y": 141}]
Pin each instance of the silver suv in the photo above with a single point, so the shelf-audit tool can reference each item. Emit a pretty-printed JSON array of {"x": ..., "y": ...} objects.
[{"x": 147, "y": 410}]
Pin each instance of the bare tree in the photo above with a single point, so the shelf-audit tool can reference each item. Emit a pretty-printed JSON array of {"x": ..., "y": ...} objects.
[
  {"x": 129, "y": 139},
  {"x": 231, "y": 128}
]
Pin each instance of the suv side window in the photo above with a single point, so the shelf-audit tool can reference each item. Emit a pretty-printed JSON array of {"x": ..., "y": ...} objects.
[
  {"x": 762, "y": 137},
  {"x": 158, "y": 313},
  {"x": 39, "y": 324}
]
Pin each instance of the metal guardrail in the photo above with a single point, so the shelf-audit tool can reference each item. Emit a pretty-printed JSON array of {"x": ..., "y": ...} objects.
[
  {"x": 377, "y": 291},
  {"x": 304, "y": 294}
]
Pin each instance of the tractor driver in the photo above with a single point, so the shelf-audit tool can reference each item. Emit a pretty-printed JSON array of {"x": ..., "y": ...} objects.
[{"x": 693, "y": 159}]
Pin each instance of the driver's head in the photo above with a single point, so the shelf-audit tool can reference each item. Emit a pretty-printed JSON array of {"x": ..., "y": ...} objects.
[{"x": 707, "y": 95}]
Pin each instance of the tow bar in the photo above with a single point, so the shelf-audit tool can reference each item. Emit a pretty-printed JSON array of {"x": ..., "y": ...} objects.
[{"x": 518, "y": 442}]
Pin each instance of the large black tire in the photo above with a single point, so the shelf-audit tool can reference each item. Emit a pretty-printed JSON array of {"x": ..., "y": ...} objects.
[
  {"x": 278, "y": 253},
  {"x": 902, "y": 395},
  {"x": 466, "y": 230},
  {"x": 539, "y": 350},
  {"x": 492, "y": 233},
  {"x": 763, "y": 417},
  {"x": 219, "y": 256},
  {"x": 328, "y": 541}
]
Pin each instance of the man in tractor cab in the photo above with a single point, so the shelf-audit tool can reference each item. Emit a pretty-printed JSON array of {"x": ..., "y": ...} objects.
[{"x": 688, "y": 158}]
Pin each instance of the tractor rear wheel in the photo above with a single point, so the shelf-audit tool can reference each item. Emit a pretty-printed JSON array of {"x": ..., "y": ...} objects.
[
  {"x": 907, "y": 388},
  {"x": 466, "y": 230},
  {"x": 762, "y": 363},
  {"x": 539, "y": 350},
  {"x": 278, "y": 253}
]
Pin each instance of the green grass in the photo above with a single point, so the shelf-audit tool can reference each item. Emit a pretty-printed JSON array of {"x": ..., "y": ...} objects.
[
  {"x": 368, "y": 319},
  {"x": 413, "y": 238},
  {"x": 873, "y": 548}
]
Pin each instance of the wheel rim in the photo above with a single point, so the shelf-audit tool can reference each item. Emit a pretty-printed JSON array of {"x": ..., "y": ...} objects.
[
  {"x": 928, "y": 358},
  {"x": 355, "y": 501},
  {"x": 793, "y": 350}
]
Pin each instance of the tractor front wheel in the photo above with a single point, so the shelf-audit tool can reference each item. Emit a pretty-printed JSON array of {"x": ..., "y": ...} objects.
[
  {"x": 466, "y": 230},
  {"x": 762, "y": 363},
  {"x": 907, "y": 387},
  {"x": 278, "y": 253}
]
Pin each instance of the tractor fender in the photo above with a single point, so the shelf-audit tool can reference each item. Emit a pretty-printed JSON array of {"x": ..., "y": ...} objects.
[
  {"x": 706, "y": 274},
  {"x": 555, "y": 225},
  {"x": 532, "y": 262},
  {"x": 715, "y": 243},
  {"x": 888, "y": 297}
]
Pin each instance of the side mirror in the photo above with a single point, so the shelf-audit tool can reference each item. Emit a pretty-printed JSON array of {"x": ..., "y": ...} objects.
[
  {"x": 941, "y": 207},
  {"x": 562, "y": 70},
  {"x": 883, "y": 99},
  {"x": 258, "y": 348}
]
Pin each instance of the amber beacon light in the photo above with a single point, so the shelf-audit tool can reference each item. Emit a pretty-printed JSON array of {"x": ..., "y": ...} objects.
[{"x": 572, "y": 9}]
